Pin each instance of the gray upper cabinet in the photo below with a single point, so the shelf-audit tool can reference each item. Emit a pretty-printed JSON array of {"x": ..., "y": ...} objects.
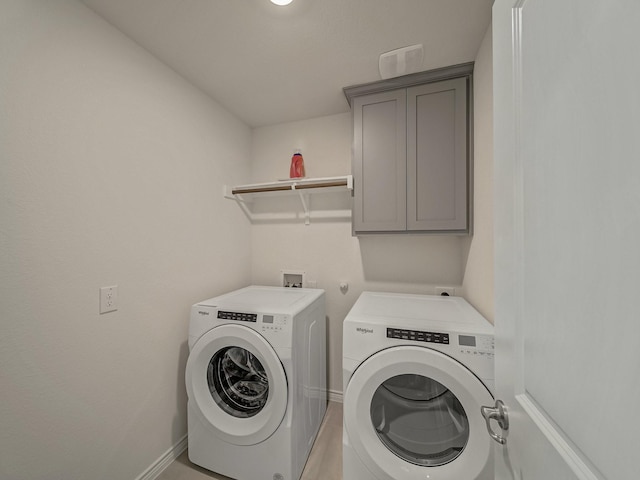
[
  {"x": 380, "y": 152},
  {"x": 437, "y": 156},
  {"x": 411, "y": 153}
]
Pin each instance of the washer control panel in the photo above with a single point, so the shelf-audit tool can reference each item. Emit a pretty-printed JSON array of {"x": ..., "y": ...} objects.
[
  {"x": 418, "y": 335},
  {"x": 239, "y": 316},
  {"x": 274, "y": 323},
  {"x": 266, "y": 323}
]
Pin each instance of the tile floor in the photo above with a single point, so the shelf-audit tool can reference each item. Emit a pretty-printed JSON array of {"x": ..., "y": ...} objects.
[{"x": 325, "y": 460}]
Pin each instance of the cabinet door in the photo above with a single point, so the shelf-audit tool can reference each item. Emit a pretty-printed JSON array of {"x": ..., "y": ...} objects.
[
  {"x": 379, "y": 167},
  {"x": 437, "y": 152}
]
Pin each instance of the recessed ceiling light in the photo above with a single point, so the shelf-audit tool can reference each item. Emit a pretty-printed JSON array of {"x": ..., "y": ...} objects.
[{"x": 281, "y": 2}]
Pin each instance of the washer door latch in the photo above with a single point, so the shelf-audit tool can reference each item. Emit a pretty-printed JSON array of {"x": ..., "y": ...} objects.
[{"x": 499, "y": 414}]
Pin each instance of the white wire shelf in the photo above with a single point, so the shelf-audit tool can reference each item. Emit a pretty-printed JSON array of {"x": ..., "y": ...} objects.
[{"x": 300, "y": 186}]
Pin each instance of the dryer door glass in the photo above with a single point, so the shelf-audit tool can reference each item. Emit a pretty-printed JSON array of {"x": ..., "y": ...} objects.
[
  {"x": 419, "y": 420},
  {"x": 238, "y": 382}
]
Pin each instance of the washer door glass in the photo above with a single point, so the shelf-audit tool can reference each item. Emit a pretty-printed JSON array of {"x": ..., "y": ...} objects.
[
  {"x": 419, "y": 420},
  {"x": 238, "y": 382}
]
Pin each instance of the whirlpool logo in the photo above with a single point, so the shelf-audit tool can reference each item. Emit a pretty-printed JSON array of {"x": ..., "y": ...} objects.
[
  {"x": 202, "y": 312},
  {"x": 364, "y": 330}
]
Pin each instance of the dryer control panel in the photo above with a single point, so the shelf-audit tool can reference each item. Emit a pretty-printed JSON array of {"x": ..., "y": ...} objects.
[
  {"x": 479, "y": 345},
  {"x": 418, "y": 336}
]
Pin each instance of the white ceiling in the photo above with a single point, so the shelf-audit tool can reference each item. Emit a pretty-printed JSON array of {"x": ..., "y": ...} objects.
[{"x": 270, "y": 64}]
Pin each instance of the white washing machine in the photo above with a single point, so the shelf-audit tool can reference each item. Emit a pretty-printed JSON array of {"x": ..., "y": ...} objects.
[
  {"x": 417, "y": 369},
  {"x": 256, "y": 381}
]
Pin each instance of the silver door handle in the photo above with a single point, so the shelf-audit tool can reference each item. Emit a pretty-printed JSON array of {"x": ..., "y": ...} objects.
[{"x": 499, "y": 414}]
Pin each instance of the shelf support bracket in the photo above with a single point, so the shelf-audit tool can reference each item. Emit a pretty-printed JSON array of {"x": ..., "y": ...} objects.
[
  {"x": 242, "y": 203},
  {"x": 304, "y": 199}
]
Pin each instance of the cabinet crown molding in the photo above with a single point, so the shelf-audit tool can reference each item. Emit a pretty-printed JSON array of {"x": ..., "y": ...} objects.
[{"x": 404, "y": 81}]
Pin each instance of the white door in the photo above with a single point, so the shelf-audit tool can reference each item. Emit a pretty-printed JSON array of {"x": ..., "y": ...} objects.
[{"x": 567, "y": 163}]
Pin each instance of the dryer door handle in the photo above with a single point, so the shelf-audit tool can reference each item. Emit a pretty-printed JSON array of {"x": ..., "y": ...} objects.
[{"x": 500, "y": 415}]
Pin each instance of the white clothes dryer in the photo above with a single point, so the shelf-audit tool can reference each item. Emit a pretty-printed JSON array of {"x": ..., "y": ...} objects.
[
  {"x": 256, "y": 381},
  {"x": 416, "y": 370}
]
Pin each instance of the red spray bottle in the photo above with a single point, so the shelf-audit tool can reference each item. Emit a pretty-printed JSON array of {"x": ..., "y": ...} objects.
[{"x": 297, "y": 165}]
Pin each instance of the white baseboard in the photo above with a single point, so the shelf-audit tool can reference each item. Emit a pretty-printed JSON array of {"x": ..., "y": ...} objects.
[
  {"x": 335, "y": 396},
  {"x": 164, "y": 461}
]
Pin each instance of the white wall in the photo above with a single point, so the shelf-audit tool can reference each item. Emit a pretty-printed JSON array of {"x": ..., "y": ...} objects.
[
  {"x": 111, "y": 172},
  {"x": 478, "y": 272},
  {"x": 325, "y": 250},
  {"x": 328, "y": 253}
]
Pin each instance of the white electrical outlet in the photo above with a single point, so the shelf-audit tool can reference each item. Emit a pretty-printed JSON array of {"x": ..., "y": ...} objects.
[
  {"x": 446, "y": 291},
  {"x": 108, "y": 299}
]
